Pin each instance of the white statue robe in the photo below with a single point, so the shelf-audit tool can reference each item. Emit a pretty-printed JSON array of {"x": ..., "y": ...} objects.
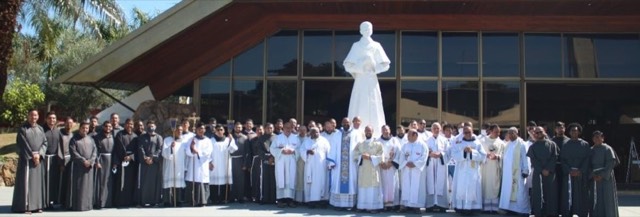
[
  {"x": 467, "y": 187},
  {"x": 365, "y": 60},
  {"x": 285, "y": 167},
  {"x": 514, "y": 192},
  {"x": 369, "y": 185},
  {"x": 334, "y": 138},
  {"x": 315, "y": 168},
  {"x": 413, "y": 180},
  {"x": 173, "y": 164},
  {"x": 437, "y": 173},
  {"x": 390, "y": 177},
  {"x": 221, "y": 173},
  {"x": 198, "y": 165},
  {"x": 344, "y": 175},
  {"x": 491, "y": 173}
]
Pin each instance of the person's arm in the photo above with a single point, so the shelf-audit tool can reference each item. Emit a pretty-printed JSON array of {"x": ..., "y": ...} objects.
[
  {"x": 167, "y": 151},
  {"x": 421, "y": 161},
  {"x": 23, "y": 144},
  {"x": 609, "y": 163},
  {"x": 157, "y": 151},
  {"x": 550, "y": 164},
  {"x": 75, "y": 155},
  {"x": 378, "y": 156},
  {"x": 478, "y": 154}
]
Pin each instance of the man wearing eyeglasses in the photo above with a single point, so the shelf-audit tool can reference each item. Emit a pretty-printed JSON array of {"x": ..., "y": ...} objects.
[
  {"x": 467, "y": 189},
  {"x": 575, "y": 155},
  {"x": 543, "y": 154}
]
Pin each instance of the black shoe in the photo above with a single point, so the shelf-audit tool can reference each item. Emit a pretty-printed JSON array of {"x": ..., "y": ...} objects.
[
  {"x": 281, "y": 205},
  {"x": 292, "y": 205}
]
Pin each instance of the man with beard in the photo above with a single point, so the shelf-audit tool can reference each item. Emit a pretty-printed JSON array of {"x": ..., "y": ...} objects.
[
  {"x": 263, "y": 170},
  {"x": 150, "y": 167},
  {"x": 104, "y": 168},
  {"x": 28, "y": 194},
  {"x": 220, "y": 165},
  {"x": 314, "y": 152},
  {"x": 127, "y": 168},
  {"x": 83, "y": 157},
  {"x": 389, "y": 178},
  {"x": 115, "y": 123},
  {"x": 604, "y": 197},
  {"x": 52, "y": 161},
  {"x": 198, "y": 167},
  {"x": 254, "y": 173},
  {"x": 368, "y": 154},
  {"x": 514, "y": 195},
  {"x": 284, "y": 150},
  {"x": 344, "y": 174},
  {"x": 278, "y": 126},
  {"x": 543, "y": 154},
  {"x": 560, "y": 139},
  {"x": 173, "y": 154},
  {"x": 299, "y": 190},
  {"x": 94, "y": 126},
  {"x": 238, "y": 163},
  {"x": 574, "y": 156},
  {"x": 334, "y": 137},
  {"x": 437, "y": 185},
  {"x": 467, "y": 188}
]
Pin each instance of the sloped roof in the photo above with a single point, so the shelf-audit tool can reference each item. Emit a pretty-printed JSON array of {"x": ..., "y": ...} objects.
[{"x": 195, "y": 36}]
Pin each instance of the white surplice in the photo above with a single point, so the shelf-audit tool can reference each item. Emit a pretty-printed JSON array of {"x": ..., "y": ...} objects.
[
  {"x": 173, "y": 164},
  {"x": 344, "y": 175},
  {"x": 437, "y": 173},
  {"x": 514, "y": 194},
  {"x": 221, "y": 173},
  {"x": 390, "y": 177},
  {"x": 198, "y": 164},
  {"x": 467, "y": 187},
  {"x": 334, "y": 138},
  {"x": 413, "y": 180},
  {"x": 285, "y": 167},
  {"x": 315, "y": 168}
]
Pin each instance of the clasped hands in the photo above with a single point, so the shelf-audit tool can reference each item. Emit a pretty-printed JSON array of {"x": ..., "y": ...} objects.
[
  {"x": 287, "y": 151},
  {"x": 435, "y": 154}
]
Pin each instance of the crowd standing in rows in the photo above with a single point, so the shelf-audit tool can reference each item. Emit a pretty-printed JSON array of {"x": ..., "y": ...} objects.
[{"x": 316, "y": 165}]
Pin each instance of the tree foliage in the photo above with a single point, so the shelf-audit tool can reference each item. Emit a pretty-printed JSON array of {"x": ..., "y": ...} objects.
[{"x": 19, "y": 97}]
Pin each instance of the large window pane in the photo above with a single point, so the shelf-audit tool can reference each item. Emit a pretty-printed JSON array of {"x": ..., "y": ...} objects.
[
  {"x": 602, "y": 55},
  {"x": 330, "y": 99},
  {"x": 282, "y": 54},
  {"x": 501, "y": 103},
  {"x": 214, "y": 99},
  {"x": 460, "y": 101},
  {"x": 223, "y": 70},
  {"x": 250, "y": 63},
  {"x": 388, "y": 41},
  {"x": 542, "y": 55},
  {"x": 318, "y": 47},
  {"x": 418, "y": 100},
  {"x": 247, "y": 100},
  {"x": 343, "y": 42},
  {"x": 281, "y": 100},
  {"x": 419, "y": 54},
  {"x": 460, "y": 54},
  {"x": 500, "y": 55}
]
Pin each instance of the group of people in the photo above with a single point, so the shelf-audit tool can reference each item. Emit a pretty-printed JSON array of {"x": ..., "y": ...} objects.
[{"x": 317, "y": 165}]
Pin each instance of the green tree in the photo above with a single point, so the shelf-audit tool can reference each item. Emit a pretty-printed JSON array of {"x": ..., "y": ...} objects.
[
  {"x": 44, "y": 17},
  {"x": 18, "y": 99}
]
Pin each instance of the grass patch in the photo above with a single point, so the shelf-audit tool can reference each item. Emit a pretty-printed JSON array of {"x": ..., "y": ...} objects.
[{"x": 8, "y": 147}]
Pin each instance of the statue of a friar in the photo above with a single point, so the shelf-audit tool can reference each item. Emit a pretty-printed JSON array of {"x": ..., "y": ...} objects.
[{"x": 365, "y": 60}]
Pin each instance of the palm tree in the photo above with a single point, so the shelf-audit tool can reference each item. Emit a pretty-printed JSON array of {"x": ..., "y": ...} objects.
[{"x": 43, "y": 16}]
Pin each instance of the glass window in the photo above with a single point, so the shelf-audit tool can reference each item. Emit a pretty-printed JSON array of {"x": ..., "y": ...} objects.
[
  {"x": 459, "y": 54},
  {"x": 214, "y": 99},
  {"x": 501, "y": 103},
  {"x": 460, "y": 101},
  {"x": 282, "y": 54},
  {"x": 388, "y": 41},
  {"x": 281, "y": 100},
  {"x": 602, "y": 55},
  {"x": 419, "y": 54},
  {"x": 247, "y": 100},
  {"x": 250, "y": 62},
  {"x": 542, "y": 55},
  {"x": 418, "y": 100},
  {"x": 318, "y": 46},
  {"x": 330, "y": 99},
  {"x": 343, "y": 42},
  {"x": 500, "y": 55},
  {"x": 223, "y": 70}
]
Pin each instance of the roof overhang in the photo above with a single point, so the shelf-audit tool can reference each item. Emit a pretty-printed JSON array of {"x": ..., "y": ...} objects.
[{"x": 195, "y": 36}]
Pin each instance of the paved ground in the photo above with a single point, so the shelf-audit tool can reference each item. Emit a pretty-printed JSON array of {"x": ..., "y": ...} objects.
[{"x": 629, "y": 206}]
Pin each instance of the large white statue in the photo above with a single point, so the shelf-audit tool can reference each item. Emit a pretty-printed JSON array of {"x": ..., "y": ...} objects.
[{"x": 365, "y": 60}]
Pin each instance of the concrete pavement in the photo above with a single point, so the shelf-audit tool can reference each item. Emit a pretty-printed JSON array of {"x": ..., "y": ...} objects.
[{"x": 629, "y": 206}]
